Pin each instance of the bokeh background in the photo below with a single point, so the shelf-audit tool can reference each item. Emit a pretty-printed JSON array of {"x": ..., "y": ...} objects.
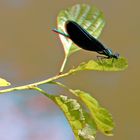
[{"x": 30, "y": 51}]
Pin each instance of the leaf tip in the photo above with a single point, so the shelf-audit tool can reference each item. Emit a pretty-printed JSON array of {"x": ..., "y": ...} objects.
[{"x": 4, "y": 83}]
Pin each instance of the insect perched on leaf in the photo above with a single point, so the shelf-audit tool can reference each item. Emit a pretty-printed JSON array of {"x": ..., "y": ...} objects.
[{"x": 84, "y": 40}]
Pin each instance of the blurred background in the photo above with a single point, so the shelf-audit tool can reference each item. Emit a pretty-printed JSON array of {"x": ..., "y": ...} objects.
[{"x": 30, "y": 52}]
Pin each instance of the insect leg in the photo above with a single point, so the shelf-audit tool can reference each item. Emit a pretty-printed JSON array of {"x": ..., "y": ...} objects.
[
  {"x": 112, "y": 61},
  {"x": 100, "y": 58}
]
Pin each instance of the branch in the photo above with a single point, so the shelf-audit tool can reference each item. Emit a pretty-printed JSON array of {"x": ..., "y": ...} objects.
[{"x": 33, "y": 85}]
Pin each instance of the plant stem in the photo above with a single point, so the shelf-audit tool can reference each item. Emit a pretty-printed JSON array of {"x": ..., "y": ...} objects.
[
  {"x": 43, "y": 92},
  {"x": 63, "y": 64},
  {"x": 64, "y": 86},
  {"x": 33, "y": 85}
]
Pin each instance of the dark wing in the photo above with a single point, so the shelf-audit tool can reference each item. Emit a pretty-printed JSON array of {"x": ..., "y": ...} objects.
[{"x": 82, "y": 38}]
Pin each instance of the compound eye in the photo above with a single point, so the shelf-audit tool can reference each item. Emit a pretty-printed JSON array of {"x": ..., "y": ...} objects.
[{"x": 117, "y": 55}]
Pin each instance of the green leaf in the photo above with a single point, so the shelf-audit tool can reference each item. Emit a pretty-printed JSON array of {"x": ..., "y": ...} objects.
[
  {"x": 4, "y": 83},
  {"x": 89, "y": 17},
  {"x": 81, "y": 123},
  {"x": 101, "y": 116},
  {"x": 103, "y": 65}
]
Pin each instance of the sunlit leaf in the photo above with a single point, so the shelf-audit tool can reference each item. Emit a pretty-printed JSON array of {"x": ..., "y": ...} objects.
[
  {"x": 81, "y": 123},
  {"x": 4, "y": 83},
  {"x": 89, "y": 17},
  {"x": 103, "y": 65},
  {"x": 101, "y": 116}
]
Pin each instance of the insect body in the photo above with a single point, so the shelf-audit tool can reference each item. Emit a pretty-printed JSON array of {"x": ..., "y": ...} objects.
[{"x": 84, "y": 40}]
